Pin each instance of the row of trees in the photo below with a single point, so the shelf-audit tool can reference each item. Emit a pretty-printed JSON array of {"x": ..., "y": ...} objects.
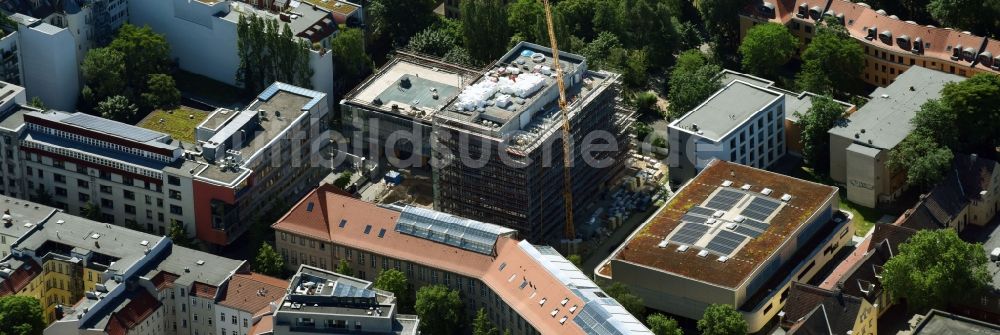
[
  {"x": 128, "y": 75},
  {"x": 269, "y": 52}
]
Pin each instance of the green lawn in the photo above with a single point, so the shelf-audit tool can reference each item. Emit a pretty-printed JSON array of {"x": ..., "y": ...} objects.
[
  {"x": 177, "y": 123},
  {"x": 864, "y": 218}
]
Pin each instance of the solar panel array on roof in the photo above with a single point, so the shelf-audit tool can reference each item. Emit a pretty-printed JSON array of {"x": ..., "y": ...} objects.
[
  {"x": 348, "y": 291},
  {"x": 694, "y": 218},
  {"x": 747, "y": 231},
  {"x": 760, "y": 208},
  {"x": 449, "y": 229},
  {"x": 112, "y": 127},
  {"x": 701, "y": 211},
  {"x": 689, "y": 233},
  {"x": 756, "y": 224},
  {"x": 725, "y": 242},
  {"x": 724, "y": 200}
]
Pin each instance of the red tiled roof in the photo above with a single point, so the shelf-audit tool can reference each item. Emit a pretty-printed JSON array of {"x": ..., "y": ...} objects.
[
  {"x": 859, "y": 253},
  {"x": 203, "y": 290},
  {"x": 164, "y": 279},
  {"x": 19, "y": 278},
  {"x": 138, "y": 309},
  {"x": 252, "y": 292}
]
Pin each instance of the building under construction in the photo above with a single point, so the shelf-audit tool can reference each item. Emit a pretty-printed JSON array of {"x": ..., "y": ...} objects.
[{"x": 498, "y": 145}]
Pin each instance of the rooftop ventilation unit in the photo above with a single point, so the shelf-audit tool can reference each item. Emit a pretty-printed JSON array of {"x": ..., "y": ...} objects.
[
  {"x": 727, "y": 183},
  {"x": 746, "y": 187},
  {"x": 144, "y": 243},
  {"x": 723, "y": 259},
  {"x": 739, "y": 218},
  {"x": 731, "y": 226},
  {"x": 766, "y": 191},
  {"x": 682, "y": 248},
  {"x": 663, "y": 244},
  {"x": 711, "y": 221},
  {"x": 200, "y": 262},
  {"x": 786, "y": 197},
  {"x": 719, "y": 214},
  {"x": 703, "y": 253}
]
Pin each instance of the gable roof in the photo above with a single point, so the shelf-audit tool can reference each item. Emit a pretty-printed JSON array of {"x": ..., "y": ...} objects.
[
  {"x": 140, "y": 306},
  {"x": 812, "y": 310},
  {"x": 970, "y": 175},
  {"x": 252, "y": 292}
]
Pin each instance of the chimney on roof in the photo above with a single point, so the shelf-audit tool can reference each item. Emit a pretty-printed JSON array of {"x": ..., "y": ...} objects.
[{"x": 912, "y": 89}]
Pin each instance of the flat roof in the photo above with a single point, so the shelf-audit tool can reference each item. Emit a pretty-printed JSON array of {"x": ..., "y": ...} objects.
[
  {"x": 795, "y": 102},
  {"x": 425, "y": 79},
  {"x": 314, "y": 290},
  {"x": 341, "y": 7},
  {"x": 885, "y": 120},
  {"x": 938, "y": 322},
  {"x": 644, "y": 246},
  {"x": 728, "y": 108},
  {"x": 24, "y": 215},
  {"x": 305, "y": 20}
]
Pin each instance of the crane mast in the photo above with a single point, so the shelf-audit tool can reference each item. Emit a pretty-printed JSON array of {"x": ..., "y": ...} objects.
[{"x": 569, "y": 231}]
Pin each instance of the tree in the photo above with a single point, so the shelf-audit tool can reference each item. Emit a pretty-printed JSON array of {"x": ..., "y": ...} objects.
[
  {"x": 811, "y": 78},
  {"x": 459, "y": 56},
  {"x": 91, "y": 212},
  {"x": 21, "y": 315},
  {"x": 440, "y": 310},
  {"x": 599, "y": 51},
  {"x": 937, "y": 120},
  {"x": 766, "y": 47},
  {"x": 268, "y": 261},
  {"x": 395, "y": 281},
  {"x": 632, "y": 303},
  {"x": 976, "y": 16},
  {"x": 975, "y": 105},
  {"x": 484, "y": 24},
  {"x": 103, "y": 70},
  {"x": 655, "y": 33},
  {"x": 924, "y": 160},
  {"x": 522, "y": 18},
  {"x": 722, "y": 320},
  {"x": 432, "y": 41},
  {"x": 834, "y": 55},
  {"x": 482, "y": 324},
  {"x": 663, "y": 325},
  {"x": 823, "y": 115},
  {"x": 394, "y": 21},
  {"x": 178, "y": 234},
  {"x": 145, "y": 52},
  {"x": 575, "y": 259},
  {"x": 344, "y": 268},
  {"x": 692, "y": 80},
  {"x": 36, "y": 102},
  {"x": 635, "y": 73},
  {"x": 269, "y": 52},
  {"x": 935, "y": 268},
  {"x": 162, "y": 92},
  {"x": 721, "y": 18},
  {"x": 117, "y": 108},
  {"x": 349, "y": 58}
]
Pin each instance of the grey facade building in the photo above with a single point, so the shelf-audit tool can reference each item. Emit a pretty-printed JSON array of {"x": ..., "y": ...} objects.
[
  {"x": 323, "y": 301},
  {"x": 859, "y": 148},
  {"x": 498, "y": 153},
  {"x": 391, "y": 113},
  {"x": 743, "y": 123}
]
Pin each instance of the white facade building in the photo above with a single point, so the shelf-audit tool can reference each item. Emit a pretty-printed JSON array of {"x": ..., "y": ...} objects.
[{"x": 741, "y": 123}]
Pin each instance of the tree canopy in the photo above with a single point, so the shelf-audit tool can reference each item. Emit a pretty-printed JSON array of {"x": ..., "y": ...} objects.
[
  {"x": 21, "y": 315},
  {"x": 145, "y": 52},
  {"x": 344, "y": 268},
  {"x": 394, "y": 21},
  {"x": 722, "y": 319},
  {"x": 975, "y": 103},
  {"x": 103, "y": 70},
  {"x": 766, "y": 47},
  {"x": 692, "y": 80},
  {"x": 117, "y": 108},
  {"x": 663, "y": 325},
  {"x": 440, "y": 310},
  {"x": 935, "y": 268},
  {"x": 835, "y": 58},
  {"x": 484, "y": 24},
  {"x": 816, "y": 123},
  {"x": 161, "y": 92},
  {"x": 632, "y": 303},
  {"x": 269, "y": 52},
  {"x": 395, "y": 281},
  {"x": 977, "y": 16},
  {"x": 179, "y": 235},
  {"x": 268, "y": 261},
  {"x": 482, "y": 324},
  {"x": 925, "y": 161},
  {"x": 349, "y": 58}
]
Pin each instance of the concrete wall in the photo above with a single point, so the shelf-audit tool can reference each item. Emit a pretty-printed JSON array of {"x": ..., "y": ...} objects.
[
  {"x": 669, "y": 292},
  {"x": 863, "y": 184},
  {"x": 225, "y": 324},
  {"x": 49, "y": 65}
]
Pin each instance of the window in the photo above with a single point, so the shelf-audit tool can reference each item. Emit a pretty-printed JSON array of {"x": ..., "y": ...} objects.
[
  {"x": 175, "y": 194},
  {"x": 234, "y": 319},
  {"x": 172, "y": 180},
  {"x": 59, "y": 178},
  {"x": 106, "y": 189},
  {"x": 82, "y": 183},
  {"x": 174, "y": 209},
  {"x": 129, "y": 194},
  {"x": 60, "y": 191},
  {"x": 107, "y": 203},
  {"x": 809, "y": 29},
  {"x": 129, "y": 209}
]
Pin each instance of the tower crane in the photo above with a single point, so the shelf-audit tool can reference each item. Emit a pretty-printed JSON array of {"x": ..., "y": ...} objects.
[{"x": 569, "y": 231}]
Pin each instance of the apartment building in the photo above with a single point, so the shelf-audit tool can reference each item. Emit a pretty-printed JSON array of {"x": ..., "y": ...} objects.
[
  {"x": 525, "y": 288},
  {"x": 741, "y": 122},
  {"x": 892, "y": 46},
  {"x": 324, "y": 301},
  {"x": 796, "y": 103},
  {"x": 195, "y": 27},
  {"x": 733, "y": 235},
  {"x": 498, "y": 145},
  {"x": 134, "y": 177},
  {"x": 859, "y": 148},
  {"x": 390, "y": 114},
  {"x": 246, "y": 298}
]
